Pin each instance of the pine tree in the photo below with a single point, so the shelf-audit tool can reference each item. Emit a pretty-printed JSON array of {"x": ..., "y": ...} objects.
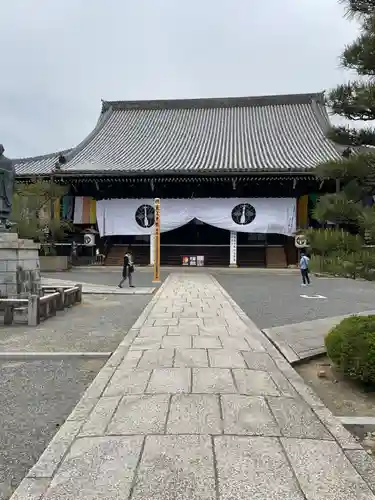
[
  {"x": 32, "y": 211},
  {"x": 355, "y": 172}
]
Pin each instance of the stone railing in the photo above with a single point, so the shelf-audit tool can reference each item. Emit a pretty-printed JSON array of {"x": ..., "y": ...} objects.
[{"x": 38, "y": 308}]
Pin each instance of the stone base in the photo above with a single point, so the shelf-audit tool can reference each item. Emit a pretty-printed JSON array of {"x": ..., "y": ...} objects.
[
  {"x": 233, "y": 265},
  {"x": 19, "y": 267},
  {"x": 53, "y": 263}
]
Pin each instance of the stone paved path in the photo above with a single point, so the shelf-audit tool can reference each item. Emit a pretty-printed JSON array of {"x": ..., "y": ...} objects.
[
  {"x": 93, "y": 288},
  {"x": 197, "y": 404},
  {"x": 300, "y": 341}
]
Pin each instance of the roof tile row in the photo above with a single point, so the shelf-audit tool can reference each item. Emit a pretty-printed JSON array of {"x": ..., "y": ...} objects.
[{"x": 268, "y": 134}]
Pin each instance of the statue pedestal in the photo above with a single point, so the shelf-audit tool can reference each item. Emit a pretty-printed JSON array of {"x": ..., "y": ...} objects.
[{"x": 19, "y": 267}]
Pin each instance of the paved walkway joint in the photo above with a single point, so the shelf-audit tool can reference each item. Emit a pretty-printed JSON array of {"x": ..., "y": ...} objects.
[{"x": 197, "y": 404}]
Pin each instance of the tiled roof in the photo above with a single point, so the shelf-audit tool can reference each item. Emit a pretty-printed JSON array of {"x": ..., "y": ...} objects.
[
  {"x": 37, "y": 165},
  {"x": 250, "y": 134}
]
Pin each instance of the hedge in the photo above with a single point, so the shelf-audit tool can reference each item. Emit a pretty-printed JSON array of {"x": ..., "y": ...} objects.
[{"x": 351, "y": 347}]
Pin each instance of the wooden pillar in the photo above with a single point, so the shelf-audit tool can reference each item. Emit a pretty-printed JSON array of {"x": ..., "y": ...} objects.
[{"x": 233, "y": 249}]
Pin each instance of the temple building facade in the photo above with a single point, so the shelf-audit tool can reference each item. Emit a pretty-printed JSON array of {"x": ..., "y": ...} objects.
[{"x": 235, "y": 177}]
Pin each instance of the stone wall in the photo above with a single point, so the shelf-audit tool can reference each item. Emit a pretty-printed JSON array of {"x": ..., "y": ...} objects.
[{"x": 19, "y": 266}]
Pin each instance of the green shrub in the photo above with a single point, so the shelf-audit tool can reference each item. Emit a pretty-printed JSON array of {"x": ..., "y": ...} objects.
[
  {"x": 327, "y": 241},
  {"x": 351, "y": 347}
]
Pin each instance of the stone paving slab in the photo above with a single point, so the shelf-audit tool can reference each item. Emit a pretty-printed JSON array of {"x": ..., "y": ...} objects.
[
  {"x": 199, "y": 417},
  {"x": 300, "y": 341},
  {"x": 94, "y": 289}
]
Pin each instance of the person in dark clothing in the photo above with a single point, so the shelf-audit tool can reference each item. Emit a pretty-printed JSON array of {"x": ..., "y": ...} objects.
[{"x": 127, "y": 270}]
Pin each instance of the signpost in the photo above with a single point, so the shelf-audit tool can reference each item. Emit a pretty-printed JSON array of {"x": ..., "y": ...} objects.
[{"x": 156, "y": 237}]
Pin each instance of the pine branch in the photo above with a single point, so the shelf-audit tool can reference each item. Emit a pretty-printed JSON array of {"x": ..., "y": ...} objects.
[
  {"x": 360, "y": 55},
  {"x": 359, "y": 7},
  {"x": 354, "y": 100},
  {"x": 359, "y": 167},
  {"x": 347, "y": 136}
]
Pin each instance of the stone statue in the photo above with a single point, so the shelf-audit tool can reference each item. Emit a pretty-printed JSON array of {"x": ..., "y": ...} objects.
[{"x": 7, "y": 177}]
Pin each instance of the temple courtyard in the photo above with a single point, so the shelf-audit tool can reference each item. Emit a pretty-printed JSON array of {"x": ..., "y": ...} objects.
[{"x": 193, "y": 398}]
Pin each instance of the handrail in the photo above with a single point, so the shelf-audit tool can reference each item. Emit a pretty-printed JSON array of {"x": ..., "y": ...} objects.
[{"x": 53, "y": 299}]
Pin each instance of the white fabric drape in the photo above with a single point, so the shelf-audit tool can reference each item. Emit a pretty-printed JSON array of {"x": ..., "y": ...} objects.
[{"x": 257, "y": 215}]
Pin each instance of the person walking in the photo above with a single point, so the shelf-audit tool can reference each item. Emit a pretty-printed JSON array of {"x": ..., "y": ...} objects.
[
  {"x": 127, "y": 270},
  {"x": 304, "y": 267}
]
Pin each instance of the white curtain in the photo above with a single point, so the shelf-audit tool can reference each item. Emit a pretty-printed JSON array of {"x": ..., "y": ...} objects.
[{"x": 257, "y": 215}]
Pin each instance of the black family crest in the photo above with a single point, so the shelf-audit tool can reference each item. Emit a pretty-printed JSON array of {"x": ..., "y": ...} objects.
[
  {"x": 145, "y": 216},
  {"x": 243, "y": 214}
]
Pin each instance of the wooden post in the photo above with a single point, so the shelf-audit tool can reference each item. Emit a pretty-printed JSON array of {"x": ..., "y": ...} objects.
[{"x": 156, "y": 236}]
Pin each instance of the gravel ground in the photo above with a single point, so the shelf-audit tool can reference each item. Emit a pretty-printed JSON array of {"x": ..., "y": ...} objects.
[
  {"x": 36, "y": 397},
  {"x": 98, "y": 324},
  {"x": 275, "y": 300},
  {"x": 108, "y": 276},
  {"x": 270, "y": 297}
]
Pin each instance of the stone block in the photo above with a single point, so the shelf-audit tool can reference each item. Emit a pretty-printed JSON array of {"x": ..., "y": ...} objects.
[
  {"x": 323, "y": 471},
  {"x": 183, "y": 330},
  {"x": 190, "y": 322},
  {"x": 165, "y": 321},
  {"x": 176, "y": 467},
  {"x": 83, "y": 409},
  {"x": 217, "y": 321},
  {"x": 55, "y": 451},
  {"x": 201, "y": 342},
  {"x": 235, "y": 343},
  {"x": 175, "y": 341},
  {"x": 255, "y": 383},
  {"x": 248, "y": 415},
  {"x": 283, "y": 384},
  {"x": 98, "y": 467},
  {"x": 194, "y": 414},
  {"x": 153, "y": 332},
  {"x": 213, "y": 380},
  {"x": 254, "y": 468},
  {"x": 169, "y": 380},
  {"x": 297, "y": 420},
  {"x": 191, "y": 358},
  {"x": 132, "y": 381},
  {"x": 31, "y": 489},
  {"x": 140, "y": 415},
  {"x": 99, "y": 383},
  {"x": 100, "y": 417},
  {"x": 259, "y": 361},
  {"x": 364, "y": 464},
  {"x": 225, "y": 358},
  {"x": 343, "y": 437},
  {"x": 160, "y": 358},
  {"x": 145, "y": 343},
  {"x": 216, "y": 331},
  {"x": 130, "y": 360},
  {"x": 186, "y": 313}
]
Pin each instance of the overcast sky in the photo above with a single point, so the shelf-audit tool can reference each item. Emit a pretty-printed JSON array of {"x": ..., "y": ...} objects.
[{"x": 61, "y": 57}]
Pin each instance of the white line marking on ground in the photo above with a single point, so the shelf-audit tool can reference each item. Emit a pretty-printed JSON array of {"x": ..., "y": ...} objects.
[
  {"x": 52, "y": 355},
  {"x": 316, "y": 296}
]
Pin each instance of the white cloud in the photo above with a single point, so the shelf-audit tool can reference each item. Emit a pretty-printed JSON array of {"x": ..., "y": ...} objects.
[{"x": 60, "y": 58}]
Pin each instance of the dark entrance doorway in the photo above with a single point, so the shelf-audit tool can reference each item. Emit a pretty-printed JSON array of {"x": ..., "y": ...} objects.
[{"x": 195, "y": 239}]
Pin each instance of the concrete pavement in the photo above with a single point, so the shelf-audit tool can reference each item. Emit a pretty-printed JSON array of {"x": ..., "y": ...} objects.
[
  {"x": 197, "y": 404},
  {"x": 300, "y": 341}
]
